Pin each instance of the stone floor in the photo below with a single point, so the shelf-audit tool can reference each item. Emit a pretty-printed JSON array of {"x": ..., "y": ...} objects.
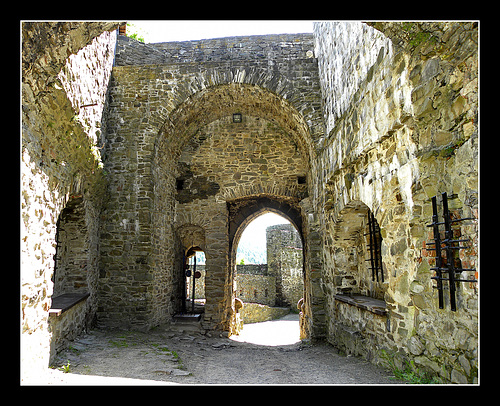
[
  {"x": 283, "y": 331},
  {"x": 265, "y": 353}
]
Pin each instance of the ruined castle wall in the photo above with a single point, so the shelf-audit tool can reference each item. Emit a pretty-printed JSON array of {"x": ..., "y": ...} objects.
[
  {"x": 408, "y": 133},
  {"x": 65, "y": 66},
  {"x": 269, "y": 48},
  {"x": 285, "y": 263}
]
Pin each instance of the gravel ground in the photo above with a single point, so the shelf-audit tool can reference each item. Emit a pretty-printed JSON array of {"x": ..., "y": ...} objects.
[{"x": 164, "y": 356}]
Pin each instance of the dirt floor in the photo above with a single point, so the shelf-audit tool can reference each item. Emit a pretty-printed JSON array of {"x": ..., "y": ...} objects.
[{"x": 164, "y": 356}]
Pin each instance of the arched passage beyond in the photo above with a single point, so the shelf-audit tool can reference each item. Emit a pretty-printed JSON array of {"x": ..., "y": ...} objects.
[
  {"x": 244, "y": 210},
  {"x": 222, "y": 174}
]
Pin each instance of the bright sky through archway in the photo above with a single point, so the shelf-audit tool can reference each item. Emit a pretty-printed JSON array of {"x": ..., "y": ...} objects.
[
  {"x": 187, "y": 30},
  {"x": 257, "y": 228},
  {"x": 255, "y": 233}
]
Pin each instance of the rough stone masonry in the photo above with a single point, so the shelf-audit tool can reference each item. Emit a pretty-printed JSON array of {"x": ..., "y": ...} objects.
[{"x": 134, "y": 153}]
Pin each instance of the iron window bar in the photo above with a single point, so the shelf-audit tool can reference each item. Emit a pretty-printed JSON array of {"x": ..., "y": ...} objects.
[
  {"x": 447, "y": 264},
  {"x": 375, "y": 245}
]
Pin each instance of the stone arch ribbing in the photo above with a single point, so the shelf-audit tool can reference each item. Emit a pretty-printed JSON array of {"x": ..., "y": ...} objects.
[
  {"x": 201, "y": 100},
  {"x": 243, "y": 211}
]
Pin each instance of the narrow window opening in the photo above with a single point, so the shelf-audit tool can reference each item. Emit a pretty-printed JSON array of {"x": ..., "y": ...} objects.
[{"x": 180, "y": 184}]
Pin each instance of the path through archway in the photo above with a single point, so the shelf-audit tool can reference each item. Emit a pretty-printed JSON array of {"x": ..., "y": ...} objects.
[
  {"x": 243, "y": 212},
  {"x": 269, "y": 281}
]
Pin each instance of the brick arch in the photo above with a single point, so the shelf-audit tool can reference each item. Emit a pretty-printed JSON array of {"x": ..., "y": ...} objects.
[{"x": 244, "y": 191}]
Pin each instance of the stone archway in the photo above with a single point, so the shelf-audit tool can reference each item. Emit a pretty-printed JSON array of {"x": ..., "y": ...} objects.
[
  {"x": 217, "y": 162},
  {"x": 242, "y": 212},
  {"x": 213, "y": 103},
  {"x": 175, "y": 135}
]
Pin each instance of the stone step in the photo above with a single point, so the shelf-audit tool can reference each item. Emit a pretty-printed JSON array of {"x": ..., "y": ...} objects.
[
  {"x": 182, "y": 317},
  {"x": 187, "y": 323}
]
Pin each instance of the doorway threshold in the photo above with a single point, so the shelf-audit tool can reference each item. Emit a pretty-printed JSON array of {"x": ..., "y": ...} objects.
[{"x": 187, "y": 317}]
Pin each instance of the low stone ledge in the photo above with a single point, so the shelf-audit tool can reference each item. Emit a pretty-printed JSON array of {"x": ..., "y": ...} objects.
[
  {"x": 65, "y": 302},
  {"x": 364, "y": 302}
]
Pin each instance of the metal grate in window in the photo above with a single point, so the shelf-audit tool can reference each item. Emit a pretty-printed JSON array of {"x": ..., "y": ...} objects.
[{"x": 375, "y": 247}]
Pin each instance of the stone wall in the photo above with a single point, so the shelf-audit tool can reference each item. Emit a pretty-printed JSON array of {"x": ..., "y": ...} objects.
[
  {"x": 408, "y": 132},
  {"x": 253, "y": 284},
  {"x": 256, "y": 289},
  {"x": 67, "y": 326},
  {"x": 270, "y": 48},
  {"x": 285, "y": 262},
  {"x": 257, "y": 313},
  {"x": 252, "y": 269},
  {"x": 66, "y": 67}
]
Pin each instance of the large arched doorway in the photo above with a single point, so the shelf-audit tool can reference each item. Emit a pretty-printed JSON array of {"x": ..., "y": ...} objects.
[
  {"x": 237, "y": 149},
  {"x": 245, "y": 210},
  {"x": 269, "y": 280}
]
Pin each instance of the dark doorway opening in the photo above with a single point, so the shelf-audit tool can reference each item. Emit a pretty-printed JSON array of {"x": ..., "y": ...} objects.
[{"x": 194, "y": 287}]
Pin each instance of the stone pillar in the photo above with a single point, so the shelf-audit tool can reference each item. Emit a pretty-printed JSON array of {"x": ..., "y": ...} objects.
[
  {"x": 314, "y": 323},
  {"x": 218, "y": 279}
]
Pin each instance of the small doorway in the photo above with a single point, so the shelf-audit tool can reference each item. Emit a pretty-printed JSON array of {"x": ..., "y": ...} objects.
[{"x": 194, "y": 274}]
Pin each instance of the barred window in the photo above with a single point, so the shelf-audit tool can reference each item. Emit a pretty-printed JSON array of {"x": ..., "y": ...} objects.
[{"x": 375, "y": 248}]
